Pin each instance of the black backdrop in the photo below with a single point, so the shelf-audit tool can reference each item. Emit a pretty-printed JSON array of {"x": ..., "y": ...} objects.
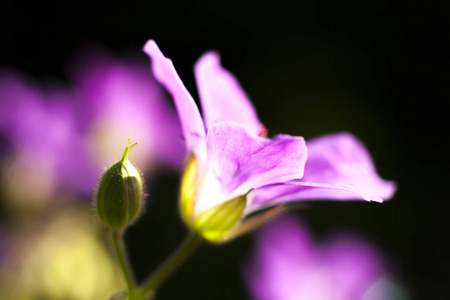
[{"x": 378, "y": 69}]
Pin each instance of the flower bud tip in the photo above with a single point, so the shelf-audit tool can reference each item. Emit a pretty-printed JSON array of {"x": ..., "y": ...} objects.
[{"x": 120, "y": 193}]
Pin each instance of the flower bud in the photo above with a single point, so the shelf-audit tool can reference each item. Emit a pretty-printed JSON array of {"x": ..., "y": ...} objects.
[{"x": 119, "y": 195}]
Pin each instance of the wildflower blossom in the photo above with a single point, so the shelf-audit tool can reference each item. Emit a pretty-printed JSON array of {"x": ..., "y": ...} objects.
[
  {"x": 58, "y": 137},
  {"x": 288, "y": 264},
  {"x": 234, "y": 170},
  {"x": 44, "y": 151},
  {"x": 119, "y": 98}
]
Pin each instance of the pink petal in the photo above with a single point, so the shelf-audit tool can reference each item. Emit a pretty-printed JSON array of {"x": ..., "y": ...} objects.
[
  {"x": 240, "y": 160},
  {"x": 112, "y": 90},
  {"x": 191, "y": 121},
  {"x": 342, "y": 161},
  {"x": 338, "y": 168},
  {"x": 289, "y": 264},
  {"x": 354, "y": 265},
  {"x": 284, "y": 253},
  {"x": 221, "y": 95}
]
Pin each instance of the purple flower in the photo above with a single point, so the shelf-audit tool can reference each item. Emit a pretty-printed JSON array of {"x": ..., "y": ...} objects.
[
  {"x": 120, "y": 99},
  {"x": 231, "y": 159},
  {"x": 45, "y": 150},
  {"x": 289, "y": 264},
  {"x": 59, "y": 137}
]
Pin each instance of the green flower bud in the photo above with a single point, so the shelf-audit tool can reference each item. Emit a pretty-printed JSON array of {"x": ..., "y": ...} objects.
[{"x": 120, "y": 193}]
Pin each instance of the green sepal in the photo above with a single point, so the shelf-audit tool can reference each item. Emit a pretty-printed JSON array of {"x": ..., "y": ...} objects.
[
  {"x": 189, "y": 189},
  {"x": 218, "y": 222}
]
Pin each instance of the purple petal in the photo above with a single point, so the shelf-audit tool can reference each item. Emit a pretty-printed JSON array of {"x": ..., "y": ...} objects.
[
  {"x": 243, "y": 161},
  {"x": 17, "y": 94},
  {"x": 354, "y": 266},
  {"x": 289, "y": 265},
  {"x": 338, "y": 168},
  {"x": 191, "y": 121},
  {"x": 121, "y": 99},
  {"x": 283, "y": 250},
  {"x": 342, "y": 162},
  {"x": 41, "y": 125},
  {"x": 221, "y": 95}
]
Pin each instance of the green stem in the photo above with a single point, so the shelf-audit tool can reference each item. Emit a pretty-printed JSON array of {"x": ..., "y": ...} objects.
[
  {"x": 172, "y": 263},
  {"x": 116, "y": 237}
]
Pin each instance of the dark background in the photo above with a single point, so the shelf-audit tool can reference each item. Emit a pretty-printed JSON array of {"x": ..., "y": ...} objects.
[{"x": 378, "y": 69}]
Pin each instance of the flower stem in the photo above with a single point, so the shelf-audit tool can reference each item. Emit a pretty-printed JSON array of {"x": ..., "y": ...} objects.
[
  {"x": 116, "y": 236},
  {"x": 162, "y": 273},
  {"x": 190, "y": 243}
]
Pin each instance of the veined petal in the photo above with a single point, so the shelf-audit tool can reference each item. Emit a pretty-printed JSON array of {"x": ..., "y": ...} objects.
[
  {"x": 241, "y": 161},
  {"x": 191, "y": 121},
  {"x": 342, "y": 160},
  {"x": 338, "y": 167},
  {"x": 221, "y": 95}
]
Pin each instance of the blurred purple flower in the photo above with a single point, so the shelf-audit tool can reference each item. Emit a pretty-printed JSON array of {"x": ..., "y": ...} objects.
[
  {"x": 288, "y": 264},
  {"x": 121, "y": 99},
  {"x": 45, "y": 142},
  {"x": 59, "y": 138},
  {"x": 234, "y": 158}
]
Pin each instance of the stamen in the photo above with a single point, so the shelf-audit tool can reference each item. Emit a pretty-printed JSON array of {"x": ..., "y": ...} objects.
[{"x": 262, "y": 131}]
